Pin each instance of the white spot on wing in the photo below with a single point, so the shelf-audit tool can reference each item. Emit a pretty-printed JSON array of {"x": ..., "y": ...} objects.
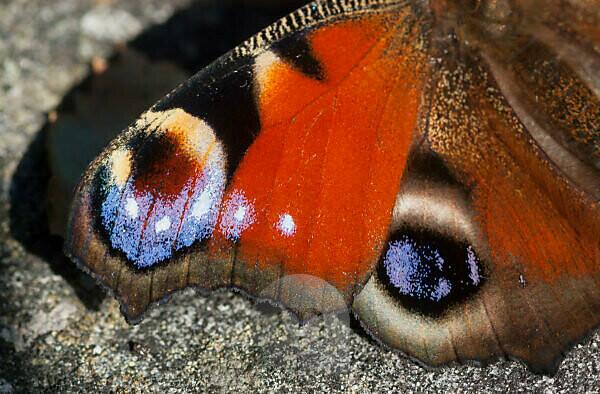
[
  {"x": 132, "y": 208},
  {"x": 162, "y": 225},
  {"x": 203, "y": 204},
  {"x": 240, "y": 214},
  {"x": 286, "y": 225}
]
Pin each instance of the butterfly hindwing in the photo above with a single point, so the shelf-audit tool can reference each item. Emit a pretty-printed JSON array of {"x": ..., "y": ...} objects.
[{"x": 529, "y": 215}]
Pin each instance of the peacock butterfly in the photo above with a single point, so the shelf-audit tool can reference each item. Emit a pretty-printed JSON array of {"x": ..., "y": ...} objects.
[{"x": 432, "y": 165}]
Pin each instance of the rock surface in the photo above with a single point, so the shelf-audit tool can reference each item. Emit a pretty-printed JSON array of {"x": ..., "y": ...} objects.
[{"x": 58, "y": 331}]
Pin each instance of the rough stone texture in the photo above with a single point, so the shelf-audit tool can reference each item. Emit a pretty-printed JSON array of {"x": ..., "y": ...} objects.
[{"x": 58, "y": 332}]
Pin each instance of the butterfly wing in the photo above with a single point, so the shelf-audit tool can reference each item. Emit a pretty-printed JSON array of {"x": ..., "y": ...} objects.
[
  {"x": 514, "y": 127},
  {"x": 412, "y": 150},
  {"x": 274, "y": 170}
]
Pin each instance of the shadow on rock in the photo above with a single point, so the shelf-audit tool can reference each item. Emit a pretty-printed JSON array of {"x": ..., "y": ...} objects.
[{"x": 29, "y": 220}]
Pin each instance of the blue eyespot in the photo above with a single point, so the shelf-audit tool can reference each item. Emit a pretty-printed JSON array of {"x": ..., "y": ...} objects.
[
  {"x": 161, "y": 195},
  {"x": 428, "y": 272}
]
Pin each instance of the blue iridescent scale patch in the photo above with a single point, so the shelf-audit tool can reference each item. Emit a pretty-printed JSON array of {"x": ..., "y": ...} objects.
[
  {"x": 427, "y": 271},
  {"x": 150, "y": 229}
]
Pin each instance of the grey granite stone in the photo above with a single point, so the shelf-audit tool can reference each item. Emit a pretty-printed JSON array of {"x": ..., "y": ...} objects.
[{"x": 59, "y": 333}]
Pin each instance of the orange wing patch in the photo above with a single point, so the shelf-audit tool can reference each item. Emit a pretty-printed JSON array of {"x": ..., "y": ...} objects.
[
  {"x": 530, "y": 220},
  {"x": 315, "y": 191}
]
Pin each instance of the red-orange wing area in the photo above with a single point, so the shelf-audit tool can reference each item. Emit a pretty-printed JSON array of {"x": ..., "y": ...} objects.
[{"x": 314, "y": 193}]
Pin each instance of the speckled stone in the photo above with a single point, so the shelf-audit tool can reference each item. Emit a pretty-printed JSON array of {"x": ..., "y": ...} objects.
[{"x": 58, "y": 333}]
